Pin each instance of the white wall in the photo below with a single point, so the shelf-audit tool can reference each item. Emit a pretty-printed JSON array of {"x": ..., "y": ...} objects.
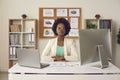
[{"x": 15, "y": 8}]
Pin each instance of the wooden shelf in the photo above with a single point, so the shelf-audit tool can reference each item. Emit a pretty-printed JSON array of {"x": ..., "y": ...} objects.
[
  {"x": 22, "y": 34},
  {"x": 98, "y": 24}
]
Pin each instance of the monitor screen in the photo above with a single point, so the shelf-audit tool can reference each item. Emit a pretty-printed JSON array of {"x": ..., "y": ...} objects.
[{"x": 89, "y": 41}]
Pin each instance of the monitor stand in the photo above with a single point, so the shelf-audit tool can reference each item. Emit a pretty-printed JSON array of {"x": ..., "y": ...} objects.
[{"x": 102, "y": 56}]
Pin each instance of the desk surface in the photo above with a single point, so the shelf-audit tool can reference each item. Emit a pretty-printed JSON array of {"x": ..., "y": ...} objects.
[{"x": 85, "y": 69}]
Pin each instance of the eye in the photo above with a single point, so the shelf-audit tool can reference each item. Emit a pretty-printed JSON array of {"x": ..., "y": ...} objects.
[{"x": 59, "y": 28}]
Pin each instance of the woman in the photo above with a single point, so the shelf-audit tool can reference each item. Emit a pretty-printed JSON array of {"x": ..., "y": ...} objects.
[{"x": 60, "y": 48}]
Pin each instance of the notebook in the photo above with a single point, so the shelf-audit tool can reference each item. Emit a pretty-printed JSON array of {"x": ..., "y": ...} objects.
[{"x": 30, "y": 58}]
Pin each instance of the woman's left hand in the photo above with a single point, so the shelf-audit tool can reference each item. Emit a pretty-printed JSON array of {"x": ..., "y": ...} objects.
[{"x": 58, "y": 58}]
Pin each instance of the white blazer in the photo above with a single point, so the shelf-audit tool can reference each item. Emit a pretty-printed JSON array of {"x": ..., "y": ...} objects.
[{"x": 70, "y": 52}]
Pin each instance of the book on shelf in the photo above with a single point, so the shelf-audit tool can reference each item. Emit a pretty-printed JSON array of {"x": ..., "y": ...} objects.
[
  {"x": 14, "y": 39},
  {"x": 29, "y": 29},
  {"x": 15, "y": 28},
  {"x": 31, "y": 38},
  {"x": 13, "y": 52},
  {"x": 105, "y": 24}
]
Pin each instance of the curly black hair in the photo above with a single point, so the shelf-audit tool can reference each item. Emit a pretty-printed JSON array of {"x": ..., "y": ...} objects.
[{"x": 66, "y": 24}]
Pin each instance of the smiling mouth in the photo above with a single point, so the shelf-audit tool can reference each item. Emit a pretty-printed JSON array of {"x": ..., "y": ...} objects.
[{"x": 60, "y": 32}]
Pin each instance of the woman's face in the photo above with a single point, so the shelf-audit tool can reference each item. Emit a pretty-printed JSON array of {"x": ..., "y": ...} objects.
[{"x": 60, "y": 29}]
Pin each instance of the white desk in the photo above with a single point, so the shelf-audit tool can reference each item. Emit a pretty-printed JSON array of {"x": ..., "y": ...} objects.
[{"x": 86, "y": 72}]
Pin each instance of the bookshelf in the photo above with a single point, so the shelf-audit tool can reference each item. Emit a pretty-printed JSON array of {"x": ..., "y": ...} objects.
[
  {"x": 22, "y": 34},
  {"x": 98, "y": 24}
]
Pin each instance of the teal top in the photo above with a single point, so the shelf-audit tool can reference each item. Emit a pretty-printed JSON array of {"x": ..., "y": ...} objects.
[{"x": 60, "y": 51}]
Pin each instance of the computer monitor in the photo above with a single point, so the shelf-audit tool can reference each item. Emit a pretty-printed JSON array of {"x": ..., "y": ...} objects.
[{"x": 95, "y": 45}]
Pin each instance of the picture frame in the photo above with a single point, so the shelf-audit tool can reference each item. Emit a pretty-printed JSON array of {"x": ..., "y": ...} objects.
[
  {"x": 48, "y": 22},
  {"x": 48, "y": 12},
  {"x": 74, "y": 22},
  {"x": 74, "y": 12},
  {"x": 74, "y": 33},
  {"x": 48, "y": 32},
  {"x": 61, "y": 12}
]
